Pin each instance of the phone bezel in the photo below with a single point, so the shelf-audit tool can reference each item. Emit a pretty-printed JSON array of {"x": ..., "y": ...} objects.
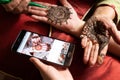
[{"x": 69, "y": 55}]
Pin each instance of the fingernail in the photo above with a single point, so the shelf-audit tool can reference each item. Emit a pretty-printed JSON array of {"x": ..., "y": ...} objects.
[
  {"x": 30, "y": 59},
  {"x": 81, "y": 36}
]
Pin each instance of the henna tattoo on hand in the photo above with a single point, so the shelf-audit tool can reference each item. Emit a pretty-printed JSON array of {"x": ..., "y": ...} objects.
[
  {"x": 96, "y": 32},
  {"x": 58, "y": 14}
]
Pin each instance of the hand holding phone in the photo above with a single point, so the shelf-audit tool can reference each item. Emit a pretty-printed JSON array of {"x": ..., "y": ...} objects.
[{"x": 45, "y": 48}]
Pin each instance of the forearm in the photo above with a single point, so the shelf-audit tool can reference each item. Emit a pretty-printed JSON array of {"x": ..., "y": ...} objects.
[{"x": 106, "y": 11}]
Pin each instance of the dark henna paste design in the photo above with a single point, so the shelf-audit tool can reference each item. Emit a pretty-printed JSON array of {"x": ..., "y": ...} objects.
[
  {"x": 96, "y": 32},
  {"x": 58, "y": 14}
]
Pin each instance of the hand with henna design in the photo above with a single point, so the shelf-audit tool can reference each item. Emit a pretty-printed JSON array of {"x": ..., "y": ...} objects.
[
  {"x": 96, "y": 36},
  {"x": 74, "y": 26},
  {"x": 95, "y": 39}
]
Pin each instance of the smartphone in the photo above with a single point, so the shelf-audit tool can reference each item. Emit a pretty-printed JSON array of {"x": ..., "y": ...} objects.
[{"x": 45, "y": 48}]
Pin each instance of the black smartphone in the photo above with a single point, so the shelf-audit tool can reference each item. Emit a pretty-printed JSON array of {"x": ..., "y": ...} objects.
[{"x": 45, "y": 48}]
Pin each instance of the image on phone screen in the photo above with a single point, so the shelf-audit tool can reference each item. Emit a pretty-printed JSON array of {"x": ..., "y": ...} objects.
[{"x": 45, "y": 48}]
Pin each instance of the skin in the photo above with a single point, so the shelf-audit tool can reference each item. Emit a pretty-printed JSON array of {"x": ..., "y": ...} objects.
[
  {"x": 109, "y": 15},
  {"x": 91, "y": 46},
  {"x": 16, "y": 6},
  {"x": 75, "y": 26},
  {"x": 48, "y": 71}
]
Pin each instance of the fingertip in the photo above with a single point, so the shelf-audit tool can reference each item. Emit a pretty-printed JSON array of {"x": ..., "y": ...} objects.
[
  {"x": 87, "y": 52},
  {"x": 66, "y": 3},
  {"x": 38, "y": 64},
  {"x": 33, "y": 59},
  {"x": 100, "y": 60},
  {"x": 92, "y": 62},
  {"x": 94, "y": 54},
  {"x": 85, "y": 60},
  {"x": 84, "y": 42}
]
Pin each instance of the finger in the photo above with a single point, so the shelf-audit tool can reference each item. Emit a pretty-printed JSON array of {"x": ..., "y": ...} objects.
[
  {"x": 87, "y": 52},
  {"x": 66, "y": 3},
  {"x": 11, "y": 5},
  {"x": 49, "y": 72},
  {"x": 84, "y": 41},
  {"x": 40, "y": 18},
  {"x": 46, "y": 4},
  {"x": 94, "y": 54},
  {"x": 36, "y": 8},
  {"x": 22, "y": 6},
  {"x": 43, "y": 19},
  {"x": 37, "y": 12},
  {"x": 66, "y": 73},
  {"x": 39, "y": 65},
  {"x": 102, "y": 55}
]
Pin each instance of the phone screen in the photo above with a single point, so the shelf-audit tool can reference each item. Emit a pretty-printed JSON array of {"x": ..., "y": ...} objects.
[{"x": 45, "y": 48}]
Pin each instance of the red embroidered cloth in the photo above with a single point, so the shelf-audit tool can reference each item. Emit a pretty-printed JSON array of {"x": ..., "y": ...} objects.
[{"x": 20, "y": 66}]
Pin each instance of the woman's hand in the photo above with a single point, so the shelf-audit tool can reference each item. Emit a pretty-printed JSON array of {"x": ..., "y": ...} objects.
[
  {"x": 16, "y": 6},
  {"x": 94, "y": 51},
  {"x": 95, "y": 38},
  {"x": 73, "y": 25},
  {"x": 49, "y": 72}
]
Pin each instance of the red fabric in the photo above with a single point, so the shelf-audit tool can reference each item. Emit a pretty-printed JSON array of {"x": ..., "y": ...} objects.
[{"x": 20, "y": 66}]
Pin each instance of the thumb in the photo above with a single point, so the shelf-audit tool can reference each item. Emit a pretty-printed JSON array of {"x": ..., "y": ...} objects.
[
  {"x": 112, "y": 28},
  {"x": 66, "y": 3},
  {"x": 39, "y": 65},
  {"x": 102, "y": 55},
  {"x": 115, "y": 34}
]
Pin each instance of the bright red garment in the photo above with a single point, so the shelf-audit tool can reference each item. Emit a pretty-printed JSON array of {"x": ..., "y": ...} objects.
[{"x": 20, "y": 66}]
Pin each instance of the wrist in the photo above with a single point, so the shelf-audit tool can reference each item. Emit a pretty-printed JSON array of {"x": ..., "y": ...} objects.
[{"x": 78, "y": 29}]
